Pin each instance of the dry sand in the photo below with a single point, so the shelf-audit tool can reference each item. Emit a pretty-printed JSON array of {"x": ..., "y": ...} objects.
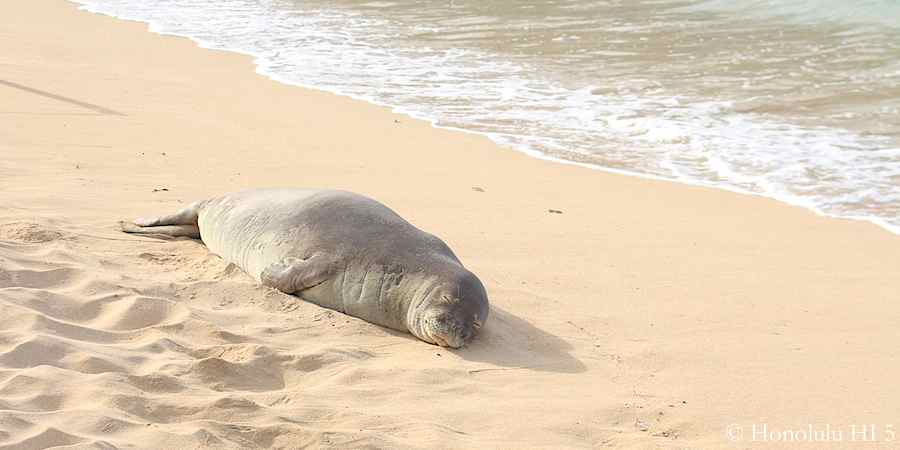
[{"x": 646, "y": 315}]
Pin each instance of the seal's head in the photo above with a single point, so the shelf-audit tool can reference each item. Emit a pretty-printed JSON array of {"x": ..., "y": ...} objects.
[{"x": 452, "y": 311}]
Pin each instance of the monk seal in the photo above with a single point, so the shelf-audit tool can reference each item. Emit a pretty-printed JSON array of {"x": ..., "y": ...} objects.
[{"x": 342, "y": 251}]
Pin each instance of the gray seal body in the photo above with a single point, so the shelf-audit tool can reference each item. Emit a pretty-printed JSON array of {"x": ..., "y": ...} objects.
[{"x": 342, "y": 251}]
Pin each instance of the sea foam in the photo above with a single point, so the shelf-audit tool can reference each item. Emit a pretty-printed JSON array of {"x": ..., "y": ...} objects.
[{"x": 621, "y": 112}]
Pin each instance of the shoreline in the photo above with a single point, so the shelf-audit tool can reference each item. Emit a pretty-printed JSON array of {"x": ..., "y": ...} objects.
[
  {"x": 647, "y": 314},
  {"x": 207, "y": 45}
]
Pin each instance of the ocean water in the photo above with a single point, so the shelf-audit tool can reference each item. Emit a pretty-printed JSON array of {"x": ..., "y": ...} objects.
[{"x": 794, "y": 100}]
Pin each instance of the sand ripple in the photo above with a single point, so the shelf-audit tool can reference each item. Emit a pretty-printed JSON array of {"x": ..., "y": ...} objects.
[{"x": 107, "y": 342}]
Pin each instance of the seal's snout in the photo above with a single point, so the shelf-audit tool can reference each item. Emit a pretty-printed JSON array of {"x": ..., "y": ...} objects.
[
  {"x": 450, "y": 339},
  {"x": 447, "y": 329},
  {"x": 452, "y": 314}
]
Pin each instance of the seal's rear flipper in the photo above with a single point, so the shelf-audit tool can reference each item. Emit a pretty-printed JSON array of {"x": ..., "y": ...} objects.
[
  {"x": 186, "y": 216},
  {"x": 192, "y": 231},
  {"x": 182, "y": 223}
]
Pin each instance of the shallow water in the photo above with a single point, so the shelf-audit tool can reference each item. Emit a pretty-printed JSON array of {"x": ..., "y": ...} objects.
[{"x": 795, "y": 100}]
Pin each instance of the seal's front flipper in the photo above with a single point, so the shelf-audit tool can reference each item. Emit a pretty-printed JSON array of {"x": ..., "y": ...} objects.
[
  {"x": 192, "y": 231},
  {"x": 293, "y": 275}
]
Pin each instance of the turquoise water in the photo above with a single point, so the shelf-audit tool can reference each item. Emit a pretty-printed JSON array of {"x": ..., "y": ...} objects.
[{"x": 794, "y": 100}]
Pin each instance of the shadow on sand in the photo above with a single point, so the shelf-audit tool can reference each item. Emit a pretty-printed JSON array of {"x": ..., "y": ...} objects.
[{"x": 509, "y": 342}]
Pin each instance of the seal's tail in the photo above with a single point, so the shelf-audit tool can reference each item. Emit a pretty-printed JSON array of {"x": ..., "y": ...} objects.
[{"x": 182, "y": 223}]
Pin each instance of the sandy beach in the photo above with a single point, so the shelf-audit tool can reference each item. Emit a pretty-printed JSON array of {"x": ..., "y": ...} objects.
[{"x": 648, "y": 314}]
